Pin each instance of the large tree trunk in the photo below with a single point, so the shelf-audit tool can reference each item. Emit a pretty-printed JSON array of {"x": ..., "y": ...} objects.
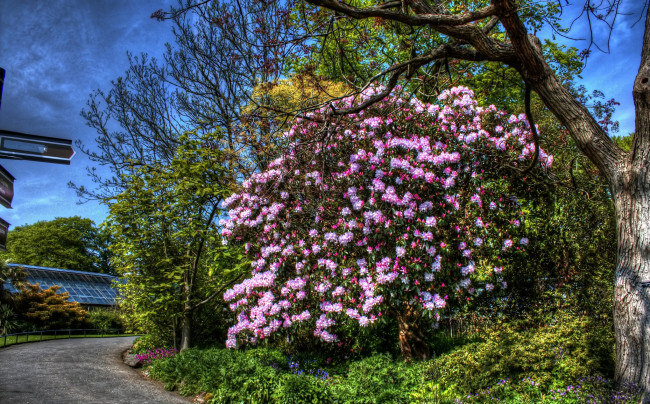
[
  {"x": 411, "y": 339},
  {"x": 631, "y": 298},
  {"x": 631, "y": 192}
]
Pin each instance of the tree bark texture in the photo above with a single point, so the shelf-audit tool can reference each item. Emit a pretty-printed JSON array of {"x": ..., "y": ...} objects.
[
  {"x": 411, "y": 339},
  {"x": 186, "y": 333},
  {"x": 631, "y": 298},
  {"x": 631, "y": 192}
]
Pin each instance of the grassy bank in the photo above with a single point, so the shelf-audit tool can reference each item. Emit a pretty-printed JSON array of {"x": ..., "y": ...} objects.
[
  {"x": 565, "y": 362},
  {"x": 262, "y": 375},
  {"x": 36, "y": 337}
]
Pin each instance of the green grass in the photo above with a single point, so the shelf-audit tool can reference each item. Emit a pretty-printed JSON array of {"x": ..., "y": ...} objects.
[{"x": 21, "y": 339}]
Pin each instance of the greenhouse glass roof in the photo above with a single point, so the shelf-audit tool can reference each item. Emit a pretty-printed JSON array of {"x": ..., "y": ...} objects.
[{"x": 83, "y": 287}]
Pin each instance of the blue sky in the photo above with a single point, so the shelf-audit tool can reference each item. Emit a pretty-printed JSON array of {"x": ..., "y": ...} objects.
[
  {"x": 55, "y": 54},
  {"x": 58, "y": 52}
]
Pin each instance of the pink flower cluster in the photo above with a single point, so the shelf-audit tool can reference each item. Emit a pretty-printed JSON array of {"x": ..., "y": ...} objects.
[
  {"x": 152, "y": 355},
  {"x": 403, "y": 202}
]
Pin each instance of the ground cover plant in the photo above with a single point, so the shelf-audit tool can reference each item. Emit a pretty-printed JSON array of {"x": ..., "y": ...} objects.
[
  {"x": 512, "y": 364},
  {"x": 151, "y": 355},
  {"x": 109, "y": 319}
]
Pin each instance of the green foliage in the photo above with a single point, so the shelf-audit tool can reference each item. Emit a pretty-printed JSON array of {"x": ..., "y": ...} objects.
[
  {"x": 356, "y": 342},
  {"x": 15, "y": 275},
  {"x": 7, "y": 319},
  {"x": 570, "y": 259},
  {"x": 569, "y": 216},
  {"x": 148, "y": 342},
  {"x": 553, "y": 355},
  {"x": 269, "y": 357},
  {"x": 357, "y": 51},
  {"x": 377, "y": 379},
  {"x": 352, "y": 50},
  {"x": 569, "y": 359},
  {"x": 106, "y": 319},
  {"x": 295, "y": 389},
  {"x": 442, "y": 342},
  {"x": 211, "y": 321},
  {"x": 65, "y": 242},
  {"x": 230, "y": 375},
  {"x": 527, "y": 390},
  {"x": 501, "y": 85},
  {"x": 255, "y": 376},
  {"x": 624, "y": 142},
  {"x": 573, "y": 221},
  {"x": 166, "y": 244}
]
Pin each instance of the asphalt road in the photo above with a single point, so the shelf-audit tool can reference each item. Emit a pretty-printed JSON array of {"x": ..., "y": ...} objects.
[{"x": 80, "y": 370}]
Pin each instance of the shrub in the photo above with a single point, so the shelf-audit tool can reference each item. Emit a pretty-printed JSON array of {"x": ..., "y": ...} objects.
[
  {"x": 269, "y": 357},
  {"x": 512, "y": 362},
  {"x": 553, "y": 356},
  {"x": 148, "y": 342},
  {"x": 364, "y": 218},
  {"x": 45, "y": 309},
  {"x": 377, "y": 379},
  {"x": 7, "y": 319},
  {"x": 298, "y": 389},
  {"x": 527, "y": 390},
  {"x": 230, "y": 376},
  {"x": 106, "y": 320}
]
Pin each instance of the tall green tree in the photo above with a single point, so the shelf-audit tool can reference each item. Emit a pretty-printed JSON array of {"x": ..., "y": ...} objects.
[
  {"x": 166, "y": 244},
  {"x": 65, "y": 242},
  {"x": 162, "y": 227}
]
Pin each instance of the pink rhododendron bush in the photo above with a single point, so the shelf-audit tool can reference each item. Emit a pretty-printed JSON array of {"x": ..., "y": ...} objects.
[{"x": 398, "y": 210}]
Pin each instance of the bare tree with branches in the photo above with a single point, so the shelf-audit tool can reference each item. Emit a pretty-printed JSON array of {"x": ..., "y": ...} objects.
[{"x": 205, "y": 81}]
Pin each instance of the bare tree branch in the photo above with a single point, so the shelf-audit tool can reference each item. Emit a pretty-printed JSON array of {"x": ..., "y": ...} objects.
[{"x": 383, "y": 11}]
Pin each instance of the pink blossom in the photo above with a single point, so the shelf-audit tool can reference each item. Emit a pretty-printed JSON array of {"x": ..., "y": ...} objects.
[{"x": 372, "y": 193}]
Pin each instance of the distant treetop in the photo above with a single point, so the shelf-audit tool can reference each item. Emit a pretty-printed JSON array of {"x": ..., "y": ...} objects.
[{"x": 65, "y": 242}]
